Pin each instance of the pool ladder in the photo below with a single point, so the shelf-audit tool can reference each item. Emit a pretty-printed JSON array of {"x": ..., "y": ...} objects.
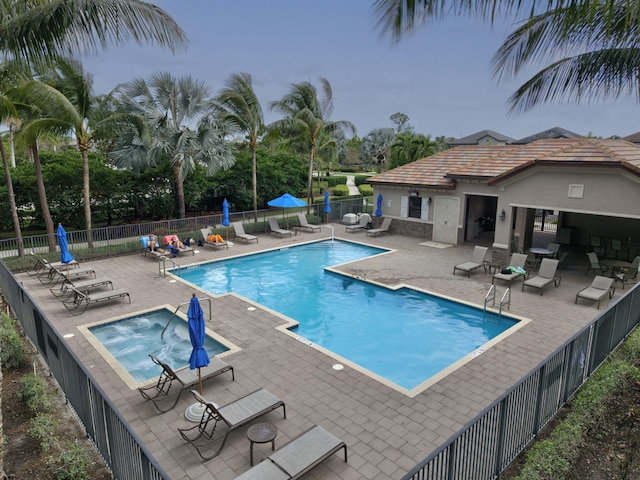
[
  {"x": 491, "y": 296},
  {"x": 208, "y": 300},
  {"x": 162, "y": 266}
]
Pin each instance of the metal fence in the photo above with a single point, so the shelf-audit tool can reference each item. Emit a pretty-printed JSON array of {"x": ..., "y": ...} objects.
[{"x": 485, "y": 447}]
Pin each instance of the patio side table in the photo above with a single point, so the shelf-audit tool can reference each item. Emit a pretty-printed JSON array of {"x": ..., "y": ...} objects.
[{"x": 263, "y": 432}]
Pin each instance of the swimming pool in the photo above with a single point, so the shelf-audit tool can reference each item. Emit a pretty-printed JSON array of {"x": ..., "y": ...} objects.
[
  {"x": 131, "y": 340},
  {"x": 405, "y": 336}
]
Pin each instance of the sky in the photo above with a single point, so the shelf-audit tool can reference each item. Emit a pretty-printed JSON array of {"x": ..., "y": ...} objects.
[{"x": 440, "y": 77}]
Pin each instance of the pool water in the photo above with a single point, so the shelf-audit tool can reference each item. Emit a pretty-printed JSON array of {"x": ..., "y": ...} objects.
[
  {"x": 131, "y": 340},
  {"x": 404, "y": 336}
]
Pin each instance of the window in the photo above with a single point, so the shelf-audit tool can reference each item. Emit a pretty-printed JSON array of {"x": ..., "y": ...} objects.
[{"x": 415, "y": 207}]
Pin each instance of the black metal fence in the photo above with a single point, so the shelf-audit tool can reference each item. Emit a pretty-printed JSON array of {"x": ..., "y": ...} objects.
[{"x": 485, "y": 447}]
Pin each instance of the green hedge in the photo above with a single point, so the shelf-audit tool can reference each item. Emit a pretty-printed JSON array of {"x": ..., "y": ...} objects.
[
  {"x": 366, "y": 190},
  {"x": 360, "y": 179},
  {"x": 337, "y": 180},
  {"x": 341, "y": 191}
]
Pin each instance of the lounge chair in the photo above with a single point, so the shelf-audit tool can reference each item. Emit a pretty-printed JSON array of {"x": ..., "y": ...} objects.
[
  {"x": 235, "y": 415},
  {"x": 546, "y": 275},
  {"x": 144, "y": 244},
  {"x": 171, "y": 384},
  {"x": 630, "y": 275},
  {"x": 594, "y": 264},
  {"x": 555, "y": 248},
  {"x": 60, "y": 274},
  {"x": 275, "y": 228},
  {"x": 304, "y": 224},
  {"x": 43, "y": 266},
  {"x": 214, "y": 244},
  {"x": 363, "y": 222},
  {"x": 238, "y": 229},
  {"x": 80, "y": 301},
  {"x": 599, "y": 288},
  {"x": 516, "y": 269},
  {"x": 176, "y": 250},
  {"x": 82, "y": 285},
  {"x": 297, "y": 457},
  {"x": 477, "y": 261},
  {"x": 384, "y": 228}
]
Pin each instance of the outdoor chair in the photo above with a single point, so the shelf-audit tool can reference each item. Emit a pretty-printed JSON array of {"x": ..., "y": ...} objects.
[
  {"x": 555, "y": 248},
  {"x": 599, "y": 288},
  {"x": 275, "y": 228},
  {"x": 384, "y": 228},
  {"x": 167, "y": 239},
  {"x": 66, "y": 286},
  {"x": 166, "y": 392},
  {"x": 546, "y": 275},
  {"x": 216, "y": 243},
  {"x": 594, "y": 264},
  {"x": 80, "y": 301},
  {"x": 304, "y": 224},
  {"x": 60, "y": 274},
  {"x": 234, "y": 415},
  {"x": 630, "y": 275},
  {"x": 515, "y": 268},
  {"x": 43, "y": 267},
  {"x": 476, "y": 261},
  {"x": 297, "y": 457},
  {"x": 363, "y": 222},
  {"x": 238, "y": 228}
]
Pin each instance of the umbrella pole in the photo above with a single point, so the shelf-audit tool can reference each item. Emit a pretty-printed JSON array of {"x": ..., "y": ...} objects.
[{"x": 200, "y": 380}]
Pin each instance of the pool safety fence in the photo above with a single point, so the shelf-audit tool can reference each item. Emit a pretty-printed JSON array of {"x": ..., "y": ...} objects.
[{"x": 485, "y": 447}]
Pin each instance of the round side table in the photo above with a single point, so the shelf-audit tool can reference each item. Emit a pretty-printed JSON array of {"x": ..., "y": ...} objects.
[{"x": 261, "y": 433}]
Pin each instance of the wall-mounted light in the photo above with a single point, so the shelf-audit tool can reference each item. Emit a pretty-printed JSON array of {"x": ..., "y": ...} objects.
[
  {"x": 414, "y": 193},
  {"x": 503, "y": 215},
  {"x": 429, "y": 201}
]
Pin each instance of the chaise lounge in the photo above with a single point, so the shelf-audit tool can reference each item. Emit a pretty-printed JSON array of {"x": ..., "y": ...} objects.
[
  {"x": 80, "y": 301},
  {"x": 515, "y": 267},
  {"x": 599, "y": 288},
  {"x": 304, "y": 223},
  {"x": 238, "y": 229},
  {"x": 183, "y": 379},
  {"x": 234, "y": 415},
  {"x": 384, "y": 228},
  {"x": 546, "y": 275},
  {"x": 215, "y": 244},
  {"x": 275, "y": 228},
  {"x": 476, "y": 261},
  {"x": 297, "y": 457}
]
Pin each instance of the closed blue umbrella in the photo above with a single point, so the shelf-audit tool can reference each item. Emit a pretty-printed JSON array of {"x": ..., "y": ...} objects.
[
  {"x": 225, "y": 216},
  {"x": 65, "y": 255},
  {"x": 379, "y": 206},
  {"x": 199, "y": 356},
  {"x": 327, "y": 207}
]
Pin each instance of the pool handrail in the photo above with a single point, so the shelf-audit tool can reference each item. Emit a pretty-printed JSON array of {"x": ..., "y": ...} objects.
[{"x": 208, "y": 300}]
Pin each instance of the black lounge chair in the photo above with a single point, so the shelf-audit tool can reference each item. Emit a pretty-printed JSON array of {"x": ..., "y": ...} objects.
[
  {"x": 297, "y": 457},
  {"x": 235, "y": 415},
  {"x": 80, "y": 301},
  {"x": 183, "y": 379}
]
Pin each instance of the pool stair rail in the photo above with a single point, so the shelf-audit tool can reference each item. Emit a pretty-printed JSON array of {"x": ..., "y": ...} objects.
[
  {"x": 491, "y": 296},
  {"x": 208, "y": 300},
  {"x": 162, "y": 265}
]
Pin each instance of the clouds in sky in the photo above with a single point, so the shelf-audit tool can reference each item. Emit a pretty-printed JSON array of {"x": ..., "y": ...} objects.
[{"x": 440, "y": 77}]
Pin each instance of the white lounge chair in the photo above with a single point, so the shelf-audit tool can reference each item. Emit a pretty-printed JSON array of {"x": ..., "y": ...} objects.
[
  {"x": 599, "y": 288},
  {"x": 476, "y": 261},
  {"x": 238, "y": 228},
  {"x": 275, "y": 228},
  {"x": 384, "y": 228},
  {"x": 304, "y": 223},
  {"x": 546, "y": 275}
]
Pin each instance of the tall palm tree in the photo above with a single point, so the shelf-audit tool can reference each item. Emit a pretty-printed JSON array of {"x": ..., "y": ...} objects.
[
  {"x": 168, "y": 117},
  {"x": 36, "y": 31},
  {"x": 64, "y": 98},
  {"x": 239, "y": 104},
  {"x": 306, "y": 118},
  {"x": 592, "y": 45}
]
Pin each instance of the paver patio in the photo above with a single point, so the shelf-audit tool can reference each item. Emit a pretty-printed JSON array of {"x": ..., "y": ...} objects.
[{"x": 386, "y": 431}]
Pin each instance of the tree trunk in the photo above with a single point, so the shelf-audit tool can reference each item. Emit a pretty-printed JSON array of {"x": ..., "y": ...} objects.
[
  {"x": 254, "y": 181},
  {"x": 312, "y": 156},
  {"x": 86, "y": 197},
  {"x": 179, "y": 186},
  {"x": 12, "y": 201},
  {"x": 42, "y": 195}
]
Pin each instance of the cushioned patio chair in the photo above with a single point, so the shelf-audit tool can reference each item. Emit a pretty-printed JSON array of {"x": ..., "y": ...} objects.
[
  {"x": 297, "y": 457},
  {"x": 599, "y": 288},
  {"x": 516, "y": 269},
  {"x": 166, "y": 392},
  {"x": 546, "y": 275},
  {"x": 630, "y": 275},
  {"x": 384, "y": 228},
  {"x": 234, "y": 415},
  {"x": 80, "y": 300},
  {"x": 238, "y": 229},
  {"x": 304, "y": 223},
  {"x": 363, "y": 222},
  {"x": 476, "y": 261},
  {"x": 594, "y": 264},
  {"x": 275, "y": 228},
  {"x": 215, "y": 244}
]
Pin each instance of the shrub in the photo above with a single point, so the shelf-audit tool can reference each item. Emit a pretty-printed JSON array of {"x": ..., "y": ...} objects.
[
  {"x": 72, "y": 463},
  {"x": 366, "y": 190},
  {"x": 43, "y": 428},
  {"x": 360, "y": 179},
  {"x": 12, "y": 351},
  {"x": 34, "y": 394},
  {"x": 341, "y": 191},
  {"x": 337, "y": 180}
]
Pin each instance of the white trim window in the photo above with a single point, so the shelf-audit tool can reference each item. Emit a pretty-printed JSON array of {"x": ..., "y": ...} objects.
[{"x": 414, "y": 207}]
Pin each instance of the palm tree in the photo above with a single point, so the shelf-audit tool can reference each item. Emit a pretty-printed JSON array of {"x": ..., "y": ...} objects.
[
  {"x": 239, "y": 105},
  {"x": 375, "y": 148},
  {"x": 592, "y": 45},
  {"x": 34, "y": 31},
  {"x": 306, "y": 118},
  {"x": 65, "y": 100},
  {"x": 172, "y": 118}
]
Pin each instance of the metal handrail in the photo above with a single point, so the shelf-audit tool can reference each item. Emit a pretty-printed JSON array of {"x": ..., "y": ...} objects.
[
  {"x": 507, "y": 294},
  {"x": 491, "y": 295},
  {"x": 182, "y": 305},
  {"x": 162, "y": 266}
]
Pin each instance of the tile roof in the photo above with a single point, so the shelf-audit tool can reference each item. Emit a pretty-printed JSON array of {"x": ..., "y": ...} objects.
[
  {"x": 474, "y": 138},
  {"x": 493, "y": 163},
  {"x": 551, "y": 133}
]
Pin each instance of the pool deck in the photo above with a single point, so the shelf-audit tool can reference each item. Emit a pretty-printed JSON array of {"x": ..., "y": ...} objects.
[{"x": 387, "y": 432}]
